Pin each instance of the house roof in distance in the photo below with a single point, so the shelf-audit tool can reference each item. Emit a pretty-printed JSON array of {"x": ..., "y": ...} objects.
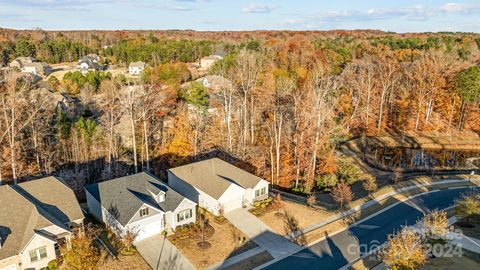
[
  {"x": 127, "y": 194},
  {"x": 28, "y": 207},
  {"x": 214, "y": 176},
  {"x": 139, "y": 64}
]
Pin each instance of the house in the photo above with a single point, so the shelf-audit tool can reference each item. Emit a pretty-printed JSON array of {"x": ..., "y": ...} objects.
[
  {"x": 89, "y": 62},
  {"x": 35, "y": 218},
  {"x": 19, "y": 62},
  {"x": 37, "y": 68},
  {"x": 139, "y": 203},
  {"x": 208, "y": 61},
  {"x": 215, "y": 83},
  {"x": 136, "y": 68},
  {"x": 217, "y": 185}
]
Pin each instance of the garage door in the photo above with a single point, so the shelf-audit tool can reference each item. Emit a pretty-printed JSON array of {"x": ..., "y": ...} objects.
[
  {"x": 232, "y": 205},
  {"x": 9, "y": 267},
  {"x": 148, "y": 230}
]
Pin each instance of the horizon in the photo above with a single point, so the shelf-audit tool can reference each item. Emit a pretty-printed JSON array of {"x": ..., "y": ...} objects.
[{"x": 222, "y": 16}]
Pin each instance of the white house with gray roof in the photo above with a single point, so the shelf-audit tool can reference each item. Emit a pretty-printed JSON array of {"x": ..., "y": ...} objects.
[
  {"x": 217, "y": 185},
  {"x": 136, "y": 68},
  {"x": 35, "y": 218},
  {"x": 139, "y": 203}
]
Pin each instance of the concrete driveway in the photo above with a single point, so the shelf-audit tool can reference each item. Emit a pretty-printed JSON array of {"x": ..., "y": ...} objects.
[
  {"x": 160, "y": 254},
  {"x": 260, "y": 233}
]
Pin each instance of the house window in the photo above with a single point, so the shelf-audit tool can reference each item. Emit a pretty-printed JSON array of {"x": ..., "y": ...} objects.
[
  {"x": 38, "y": 254},
  {"x": 185, "y": 214},
  {"x": 260, "y": 192},
  {"x": 143, "y": 212}
]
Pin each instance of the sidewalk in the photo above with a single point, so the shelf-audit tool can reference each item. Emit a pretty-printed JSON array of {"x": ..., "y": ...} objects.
[
  {"x": 260, "y": 233},
  {"x": 339, "y": 216},
  {"x": 461, "y": 240}
]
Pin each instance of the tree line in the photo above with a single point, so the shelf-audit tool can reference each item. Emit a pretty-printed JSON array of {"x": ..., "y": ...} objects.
[{"x": 285, "y": 104}]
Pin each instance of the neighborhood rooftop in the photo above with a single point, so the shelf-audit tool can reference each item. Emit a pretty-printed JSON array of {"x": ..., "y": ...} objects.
[
  {"x": 127, "y": 194},
  {"x": 31, "y": 206},
  {"x": 214, "y": 176}
]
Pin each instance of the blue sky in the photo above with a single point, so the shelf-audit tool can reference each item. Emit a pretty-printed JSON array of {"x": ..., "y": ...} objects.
[{"x": 216, "y": 15}]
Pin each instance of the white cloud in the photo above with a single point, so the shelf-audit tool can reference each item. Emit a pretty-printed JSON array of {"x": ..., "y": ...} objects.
[
  {"x": 417, "y": 12},
  {"x": 259, "y": 8},
  {"x": 460, "y": 8}
]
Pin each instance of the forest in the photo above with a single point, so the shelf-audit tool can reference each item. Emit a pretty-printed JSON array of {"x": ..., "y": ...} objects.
[{"x": 293, "y": 98}]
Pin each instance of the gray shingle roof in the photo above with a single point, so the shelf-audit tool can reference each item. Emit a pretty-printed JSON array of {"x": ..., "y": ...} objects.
[
  {"x": 31, "y": 206},
  {"x": 127, "y": 194},
  {"x": 137, "y": 64},
  {"x": 214, "y": 176}
]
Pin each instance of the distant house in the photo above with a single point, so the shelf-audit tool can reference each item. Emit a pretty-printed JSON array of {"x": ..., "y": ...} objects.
[
  {"x": 136, "y": 68},
  {"x": 35, "y": 218},
  {"x": 19, "y": 62},
  {"x": 139, "y": 203},
  {"x": 37, "y": 68},
  {"x": 208, "y": 61},
  {"x": 89, "y": 63},
  {"x": 217, "y": 185},
  {"x": 215, "y": 82}
]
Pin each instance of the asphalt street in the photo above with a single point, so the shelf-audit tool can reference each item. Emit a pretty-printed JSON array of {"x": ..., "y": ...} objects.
[{"x": 347, "y": 246}]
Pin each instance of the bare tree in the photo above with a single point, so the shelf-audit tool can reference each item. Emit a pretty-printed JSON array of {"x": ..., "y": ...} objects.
[{"x": 342, "y": 194}]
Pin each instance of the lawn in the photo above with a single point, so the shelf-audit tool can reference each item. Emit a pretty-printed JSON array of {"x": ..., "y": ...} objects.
[
  {"x": 225, "y": 241},
  {"x": 134, "y": 261},
  {"x": 305, "y": 216},
  {"x": 453, "y": 263}
]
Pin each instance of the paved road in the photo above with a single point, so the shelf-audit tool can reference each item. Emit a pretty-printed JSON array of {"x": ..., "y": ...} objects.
[
  {"x": 260, "y": 233},
  {"x": 342, "y": 248},
  {"x": 160, "y": 254}
]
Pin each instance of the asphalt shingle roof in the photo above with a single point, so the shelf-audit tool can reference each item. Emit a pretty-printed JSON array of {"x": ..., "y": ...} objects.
[
  {"x": 127, "y": 194},
  {"x": 31, "y": 206},
  {"x": 214, "y": 176}
]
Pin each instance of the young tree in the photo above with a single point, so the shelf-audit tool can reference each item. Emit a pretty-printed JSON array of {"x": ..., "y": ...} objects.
[
  {"x": 203, "y": 222},
  {"x": 404, "y": 250},
  {"x": 342, "y": 194},
  {"x": 467, "y": 206},
  {"x": 278, "y": 202},
  {"x": 80, "y": 253},
  {"x": 397, "y": 174},
  {"x": 435, "y": 224},
  {"x": 311, "y": 200},
  {"x": 370, "y": 184}
]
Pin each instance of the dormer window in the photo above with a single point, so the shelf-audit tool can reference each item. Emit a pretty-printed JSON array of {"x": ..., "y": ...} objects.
[
  {"x": 144, "y": 212},
  {"x": 161, "y": 197}
]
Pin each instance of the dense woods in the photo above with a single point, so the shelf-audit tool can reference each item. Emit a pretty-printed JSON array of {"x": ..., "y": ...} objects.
[{"x": 293, "y": 97}]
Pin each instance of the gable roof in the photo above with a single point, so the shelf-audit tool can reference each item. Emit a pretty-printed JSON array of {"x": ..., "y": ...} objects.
[
  {"x": 127, "y": 194},
  {"x": 139, "y": 64},
  {"x": 214, "y": 176},
  {"x": 212, "y": 57},
  {"x": 37, "y": 65},
  {"x": 28, "y": 207}
]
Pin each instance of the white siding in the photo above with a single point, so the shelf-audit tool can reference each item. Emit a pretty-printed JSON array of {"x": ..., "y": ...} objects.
[
  {"x": 184, "y": 205},
  {"x": 36, "y": 242},
  {"x": 148, "y": 226},
  {"x": 10, "y": 263},
  {"x": 232, "y": 198},
  {"x": 260, "y": 185}
]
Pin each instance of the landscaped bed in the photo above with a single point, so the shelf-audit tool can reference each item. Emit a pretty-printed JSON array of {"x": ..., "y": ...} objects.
[{"x": 224, "y": 240}]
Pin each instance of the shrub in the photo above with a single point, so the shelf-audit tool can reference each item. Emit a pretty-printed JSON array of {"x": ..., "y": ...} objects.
[
  {"x": 52, "y": 265},
  {"x": 326, "y": 181}
]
